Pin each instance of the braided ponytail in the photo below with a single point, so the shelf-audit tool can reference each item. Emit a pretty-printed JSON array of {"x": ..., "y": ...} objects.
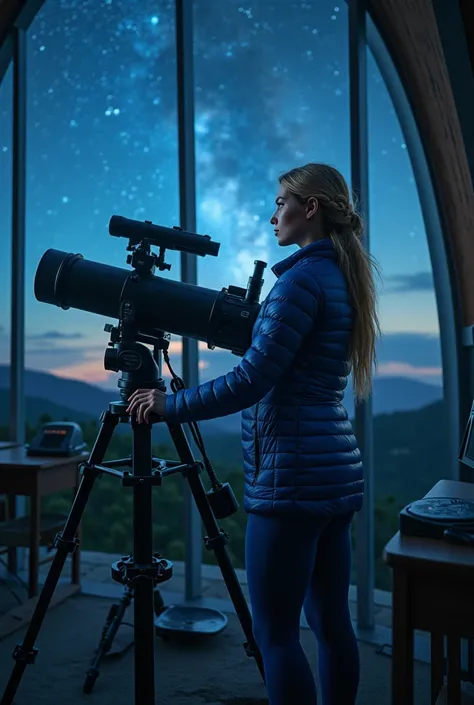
[{"x": 345, "y": 228}]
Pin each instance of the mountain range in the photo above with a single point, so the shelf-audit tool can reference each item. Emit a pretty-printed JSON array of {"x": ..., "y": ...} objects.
[{"x": 62, "y": 397}]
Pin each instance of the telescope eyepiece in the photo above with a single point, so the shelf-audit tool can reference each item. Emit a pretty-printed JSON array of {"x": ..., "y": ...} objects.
[{"x": 255, "y": 283}]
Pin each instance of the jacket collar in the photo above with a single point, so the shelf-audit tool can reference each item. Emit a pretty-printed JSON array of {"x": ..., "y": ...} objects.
[{"x": 321, "y": 248}]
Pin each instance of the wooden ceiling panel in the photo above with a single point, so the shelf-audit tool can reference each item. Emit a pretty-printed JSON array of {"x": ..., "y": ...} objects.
[{"x": 410, "y": 31}]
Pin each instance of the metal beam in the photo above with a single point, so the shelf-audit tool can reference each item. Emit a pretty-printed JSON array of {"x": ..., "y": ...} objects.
[
  {"x": 28, "y": 13},
  {"x": 17, "y": 326},
  {"x": 444, "y": 274},
  {"x": 19, "y": 15},
  {"x": 6, "y": 53},
  {"x": 453, "y": 21},
  {"x": 17, "y": 339},
  {"x": 453, "y": 33},
  {"x": 187, "y": 195},
  {"x": 363, "y": 411}
]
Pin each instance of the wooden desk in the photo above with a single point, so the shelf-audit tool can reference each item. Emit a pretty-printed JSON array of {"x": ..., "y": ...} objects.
[
  {"x": 8, "y": 444},
  {"x": 35, "y": 477},
  {"x": 433, "y": 591}
]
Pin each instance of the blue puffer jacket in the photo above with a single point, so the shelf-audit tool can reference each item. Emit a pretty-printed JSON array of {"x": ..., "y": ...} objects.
[{"x": 300, "y": 454}]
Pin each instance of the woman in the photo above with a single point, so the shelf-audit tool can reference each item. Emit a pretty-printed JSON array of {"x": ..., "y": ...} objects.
[{"x": 303, "y": 471}]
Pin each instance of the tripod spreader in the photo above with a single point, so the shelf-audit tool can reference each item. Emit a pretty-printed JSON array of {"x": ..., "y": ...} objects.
[
  {"x": 126, "y": 570},
  {"x": 163, "y": 468},
  {"x": 222, "y": 498}
]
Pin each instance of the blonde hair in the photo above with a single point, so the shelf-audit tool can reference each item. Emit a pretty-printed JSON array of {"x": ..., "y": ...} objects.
[{"x": 344, "y": 226}]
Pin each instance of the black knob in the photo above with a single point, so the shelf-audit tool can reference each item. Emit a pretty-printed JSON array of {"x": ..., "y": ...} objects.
[{"x": 111, "y": 359}]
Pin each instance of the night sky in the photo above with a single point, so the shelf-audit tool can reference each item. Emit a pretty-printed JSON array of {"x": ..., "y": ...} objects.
[{"x": 272, "y": 92}]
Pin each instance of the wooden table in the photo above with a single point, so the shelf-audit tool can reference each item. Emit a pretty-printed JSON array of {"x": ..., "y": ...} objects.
[
  {"x": 3, "y": 446},
  {"x": 433, "y": 591},
  {"x": 35, "y": 477},
  {"x": 8, "y": 444}
]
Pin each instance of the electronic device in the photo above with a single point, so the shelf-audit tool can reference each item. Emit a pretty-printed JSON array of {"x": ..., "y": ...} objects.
[
  {"x": 439, "y": 518},
  {"x": 445, "y": 518},
  {"x": 466, "y": 454},
  {"x": 57, "y": 439}
]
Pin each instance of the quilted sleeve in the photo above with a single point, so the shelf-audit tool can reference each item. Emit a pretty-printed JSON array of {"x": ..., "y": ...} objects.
[{"x": 286, "y": 318}]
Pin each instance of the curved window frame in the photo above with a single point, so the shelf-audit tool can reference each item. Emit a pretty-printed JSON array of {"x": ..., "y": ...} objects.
[
  {"x": 363, "y": 27},
  {"x": 439, "y": 255}
]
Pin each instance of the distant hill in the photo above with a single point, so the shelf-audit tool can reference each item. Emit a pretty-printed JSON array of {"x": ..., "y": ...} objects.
[
  {"x": 223, "y": 448},
  {"x": 36, "y": 407},
  {"x": 410, "y": 449},
  {"x": 399, "y": 394},
  {"x": 411, "y": 452},
  {"x": 391, "y": 394},
  {"x": 79, "y": 396}
]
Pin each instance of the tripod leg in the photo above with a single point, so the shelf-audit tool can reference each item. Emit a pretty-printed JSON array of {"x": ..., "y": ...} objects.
[
  {"x": 143, "y": 583},
  {"x": 216, "y": 540},
  {"x": 25, "y": 653},
  {"x": 112, "y": 623}
]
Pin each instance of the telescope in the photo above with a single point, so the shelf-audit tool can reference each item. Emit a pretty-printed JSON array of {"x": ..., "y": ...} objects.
[
  {"x": 222, "y": 319},
  {"x": 148, "y": 309}
]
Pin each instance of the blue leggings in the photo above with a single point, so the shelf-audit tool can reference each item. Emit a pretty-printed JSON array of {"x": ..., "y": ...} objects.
[{"x": 293, "y": 564}]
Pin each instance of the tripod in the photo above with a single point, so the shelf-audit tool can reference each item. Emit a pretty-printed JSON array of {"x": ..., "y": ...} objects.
[
  {"x": 109, "y": 630},
  {"x": 143, "y": 570}
]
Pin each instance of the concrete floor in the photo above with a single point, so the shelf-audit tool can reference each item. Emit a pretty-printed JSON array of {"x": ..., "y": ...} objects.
[
  {"x": 212, "y": 671},
  {"x": 95, "y": 571}
]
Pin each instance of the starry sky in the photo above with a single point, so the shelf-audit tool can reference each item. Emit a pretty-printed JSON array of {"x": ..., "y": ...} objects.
[{"x": 271, "y": 92}]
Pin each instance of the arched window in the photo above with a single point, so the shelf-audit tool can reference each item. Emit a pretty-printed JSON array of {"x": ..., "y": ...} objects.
[
  {"x": 411, "y": 440},
  {"x": 102, "y": 140},
  {"x": 271, "y": 93},
  {"x": 6, "y": 109}
]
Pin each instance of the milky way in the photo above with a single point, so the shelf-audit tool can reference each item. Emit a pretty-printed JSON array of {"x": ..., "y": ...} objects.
[{"x": 271, "y": 91}]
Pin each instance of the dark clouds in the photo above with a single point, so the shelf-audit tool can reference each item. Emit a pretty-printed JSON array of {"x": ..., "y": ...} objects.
[
  {"x": 55, "y": 335},
  {"x": 404, "y": 283},
  {"x": 64, "y": 355}
]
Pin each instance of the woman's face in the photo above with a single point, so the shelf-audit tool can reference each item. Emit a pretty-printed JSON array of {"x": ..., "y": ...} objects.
[{"x": 293, "y": 222}]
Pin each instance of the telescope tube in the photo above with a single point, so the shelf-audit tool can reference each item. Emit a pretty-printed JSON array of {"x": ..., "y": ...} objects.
[{"x": 219, "y": 318}]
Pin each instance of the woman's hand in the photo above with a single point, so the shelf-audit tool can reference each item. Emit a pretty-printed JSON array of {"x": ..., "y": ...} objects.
[{"x": 144, "y": 402}]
